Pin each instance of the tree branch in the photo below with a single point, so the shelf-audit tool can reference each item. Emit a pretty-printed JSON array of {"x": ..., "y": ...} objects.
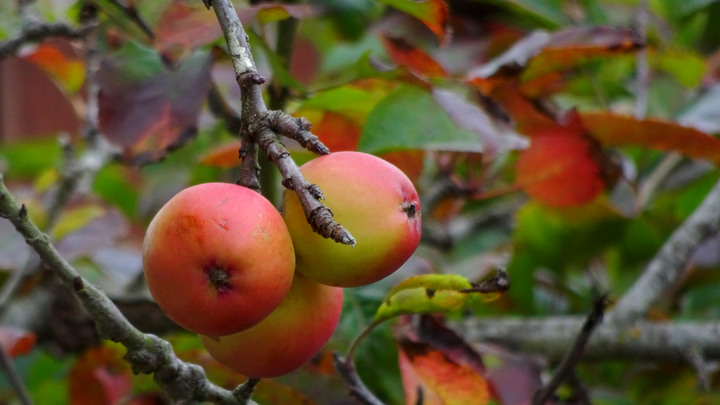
[
  {"x": 667, "y": 266},
  {"x": 146, "y": 353},
  {"x": 258, "y": 122},
  {"x": 551, "y": 336},
  {"x": 37, "y": 32}
]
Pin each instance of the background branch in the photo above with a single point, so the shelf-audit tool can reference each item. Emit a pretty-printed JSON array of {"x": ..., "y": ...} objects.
[
  {"x": 146, "y": 353},
  {"x": 37, "y": 32},
  {"x": 669, "y": 263},
  {"x": 551, "y": 336}
]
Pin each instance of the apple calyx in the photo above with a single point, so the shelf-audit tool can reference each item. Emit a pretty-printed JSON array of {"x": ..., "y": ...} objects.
[
  {"x": 410, "y": 209},
  {"x": 219, "y": 278}
]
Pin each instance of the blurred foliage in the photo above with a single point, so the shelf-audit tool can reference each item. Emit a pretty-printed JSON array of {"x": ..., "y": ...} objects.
[{"x": 388, "y": 77}]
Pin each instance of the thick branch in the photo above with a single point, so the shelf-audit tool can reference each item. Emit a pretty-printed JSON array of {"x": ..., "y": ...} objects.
[
  {"x": 667, "y": 266},
  {"x": 146, "y": 353},
  {"x": 551, "y": 336}
]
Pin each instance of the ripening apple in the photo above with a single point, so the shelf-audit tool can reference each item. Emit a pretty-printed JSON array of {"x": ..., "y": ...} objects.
[
  {"x": 218, "y": 258},
  {"x": 285, "y": 340},
  {"x": 375, "y": 201}
]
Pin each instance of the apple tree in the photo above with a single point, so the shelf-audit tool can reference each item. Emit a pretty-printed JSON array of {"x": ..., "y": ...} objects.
[{"x": 470, "y": 202}]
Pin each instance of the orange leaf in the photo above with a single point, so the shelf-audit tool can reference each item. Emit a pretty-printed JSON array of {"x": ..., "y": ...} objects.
[
  {"x": 413, "y": 58},
  {"x": 433, "y": 13},
  {"x": 409, "y": 161},
  {"x": 441, "y": 380},
  {"x": 16, "y": 341},
  {"x": 100, "y": 376},
  {"x": 337, "y": 131},
  {"x": 224, "y": 156},
  {"x": 616, "y": 130},
  {"x": 67, "y": 71}
]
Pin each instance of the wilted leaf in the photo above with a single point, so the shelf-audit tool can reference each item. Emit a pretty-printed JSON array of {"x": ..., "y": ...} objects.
[
  {"x": 413, "y": 58},
  {"x": 100, "y": 376},
  {"x": 433, "y": 13},
  {"x": 618, "y": 130},
  {"x": 571, "y": 47},
  {"x": 67, "y": 71},
  {"x": 16, "y": 341},
  {"x": 437, "y": 378},
  {"x": 409, "y": 118},
  {"x": 148, "y": 116},
  {"x": 225, "y": 155},
  {"x": 430, "y": 293},
  {"x": 541, "y": 53}
]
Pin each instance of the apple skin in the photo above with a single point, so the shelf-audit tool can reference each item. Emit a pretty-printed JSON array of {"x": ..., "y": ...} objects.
[
  {"x": 285, "y": 340},
  {"x": 218, "y": 258},
  {"x": 375, "y": 201}
]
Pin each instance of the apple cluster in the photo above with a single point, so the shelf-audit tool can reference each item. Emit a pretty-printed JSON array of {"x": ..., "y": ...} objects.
[{"x": 263, "y": 290}]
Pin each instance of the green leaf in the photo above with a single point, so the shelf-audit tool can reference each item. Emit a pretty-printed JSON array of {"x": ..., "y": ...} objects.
[
  {"x": 430, "y": 293},
  {"x": 409, "y": 118},
  {"x": 346, "y": 99},
  {"x": 687, "y": 67}
]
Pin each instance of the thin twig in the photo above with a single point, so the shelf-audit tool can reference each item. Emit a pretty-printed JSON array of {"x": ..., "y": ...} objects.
[
  {"x": 37, "y": 32},
  {"x": 346, "y": 369},
  {"x": 257, "y": 128},
  {"x": 572, "y": 356},
  {"x": 15, "y": 381}
]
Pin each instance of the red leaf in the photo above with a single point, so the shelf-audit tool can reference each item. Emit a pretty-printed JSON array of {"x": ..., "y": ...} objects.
[
  {"x": 441, "y": 380},
  {"x": 16, "y": 341},
  {"x": 100, "y": 376},
  {"x": 563, "y": 168},
  {"x": 187, "y": 25},
  {"x": 413, "y": 58},
  {"x": 613, "y": 130}
]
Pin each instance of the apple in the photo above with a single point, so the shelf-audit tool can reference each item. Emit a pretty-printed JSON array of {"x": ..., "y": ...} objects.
[
  {"x": 287, "y": 338},
  {"x": 218, "y": 258},
  {"x": 375, "y": 201}
]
